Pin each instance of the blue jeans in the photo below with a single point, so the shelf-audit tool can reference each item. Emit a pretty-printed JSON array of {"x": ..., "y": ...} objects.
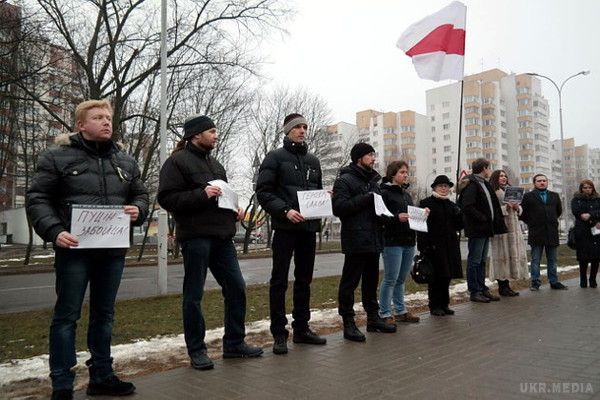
[
  {"x": 478, "y": 251},
  {"x": 218, "y": 255},
  {"x": 397, "y": 261},
  {"x": 536, "y": 256},
  {"x": 74, "y": 269}
]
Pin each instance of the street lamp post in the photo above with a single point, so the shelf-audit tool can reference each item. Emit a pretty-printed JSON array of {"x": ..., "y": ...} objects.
[{"x": 562, "y": 143}]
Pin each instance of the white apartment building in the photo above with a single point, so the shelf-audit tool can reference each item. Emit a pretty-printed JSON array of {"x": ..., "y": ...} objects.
[
  {"x": 505, "y": 120},
  {"x": 336, "y": 153}
]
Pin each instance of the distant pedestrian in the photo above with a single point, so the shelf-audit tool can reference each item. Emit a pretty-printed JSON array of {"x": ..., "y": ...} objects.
[
  {"x": 541, "y": 210},
  {"x": 509, "y": 256},
  {"x": 440, "y": 244},
  {"x": 205, "y": 233},
  {"x": 282, "y": 174},
  {"x": 84, "y": 168},
  {"x": 362, "y": 241},
  {"x": 586, "y": 209},
  {"x": 482, "y": 219}
]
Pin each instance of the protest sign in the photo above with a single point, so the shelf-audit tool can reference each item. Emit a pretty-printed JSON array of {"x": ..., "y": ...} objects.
[
  {"x": 380, "y": 208},
  {"x": 228, "y": 198},
  {"x": 513, "y": 194},
  {"x": 315, "y": 204},
  {"x": 417, "y": 219},
  {"x": 99, "y": 226}
]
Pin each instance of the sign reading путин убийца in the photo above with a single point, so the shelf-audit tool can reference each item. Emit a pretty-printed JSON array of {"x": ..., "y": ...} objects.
[{"x": 98, "y": 227}]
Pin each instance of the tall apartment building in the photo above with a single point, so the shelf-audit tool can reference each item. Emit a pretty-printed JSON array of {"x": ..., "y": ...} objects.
[
  {"x": 505, "y": 119},
  {"x": 340, "y": 139},
  {"x": 396, "y": 136}
]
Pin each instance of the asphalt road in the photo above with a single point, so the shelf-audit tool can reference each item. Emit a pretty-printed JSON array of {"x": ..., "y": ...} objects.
[{"x": 36, "y": 291}]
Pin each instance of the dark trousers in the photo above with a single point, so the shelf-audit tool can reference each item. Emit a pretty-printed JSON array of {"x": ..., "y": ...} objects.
[
  {"x": 218, "y": 255},
  {"x": 302, "y": 246},
  {"x": 357, "y": 267},
  {"x": 438, "y": 291},
  {"x": 583, "y": 265},
  {"x": 74, "y": 269}
]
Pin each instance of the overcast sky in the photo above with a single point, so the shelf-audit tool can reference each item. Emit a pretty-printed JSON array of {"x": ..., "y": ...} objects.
[{"x": 345, "y": 51}]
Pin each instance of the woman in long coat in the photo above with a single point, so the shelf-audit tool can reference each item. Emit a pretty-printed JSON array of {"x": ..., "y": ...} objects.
[
  {"x": 586, "y": 209},
  {"x": 509, "y": 256},
  {"x": 441, "y": 245}
]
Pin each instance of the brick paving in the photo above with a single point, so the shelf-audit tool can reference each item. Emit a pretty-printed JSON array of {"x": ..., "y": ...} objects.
[{"x": 542, "y": 344}]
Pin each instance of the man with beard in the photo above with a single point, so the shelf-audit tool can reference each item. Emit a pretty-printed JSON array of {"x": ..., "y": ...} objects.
[
  {"x": 205, "y": 233},
  {"x": 362, "y": 240}
]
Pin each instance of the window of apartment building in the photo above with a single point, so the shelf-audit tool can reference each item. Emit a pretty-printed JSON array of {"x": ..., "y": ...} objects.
[
  {"x": 473, "y": 144},
  {"x": 504, "y": 158},
  {"x": 375, "y": 132},
  {"x": 433, "y": 150},
  {"x": 503, "y": 134},
  {"x": 447, "y": 137},
  {"x": 504, "y": 146},
  {"x": 472, "y": 132},
  {"x": 471, "y": 110},
  {"x": 433, "y": 118},
  {"x": 434, "y": 160},
  {"x": 432, "y": 107},
  {"x": 447, "y": 158},
  {"x": 390, "y": 141},
  {"x": 488, "y": 122},
  {"x": 539, "y": 114},
  {"x": 433, "y": 129},
  {"x": 446, "y": 116},
  {"x": 488, "y": 111},
  {"x": 524, "y": 124},
  {"x": 523, "y": 113},
  {"x": 445, "y": 104},
  {"x": 447, "y": 170},
  {"x": 408, "y": 128},
  {"x": 523, "y": 102},
  {"x": 502, "y": 113},
  {"x": 446, "y": 127},
  {"x": 488, "y": 134},
  {"x": 471, "y": 99},
  {"x": 523, "y": 89},
  {"x": 472, "y": 121},
  {"x": 447, "y": 148},
  {"x": 488, "y": 100},
  {"x": 433, "y": 140},
  {"x": 375, "y": 144}
]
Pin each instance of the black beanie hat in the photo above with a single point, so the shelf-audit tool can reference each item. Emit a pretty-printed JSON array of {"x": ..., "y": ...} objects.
[
  {"x": 196, "y": 124},
  {"x": 359, "y": 150}
]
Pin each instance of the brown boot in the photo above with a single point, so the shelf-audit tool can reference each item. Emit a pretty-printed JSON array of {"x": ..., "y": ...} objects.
[{"x": 408, "y": 317}]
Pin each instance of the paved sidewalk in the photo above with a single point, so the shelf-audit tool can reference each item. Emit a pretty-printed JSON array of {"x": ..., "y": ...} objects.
[{"x": 542, "y": 344}]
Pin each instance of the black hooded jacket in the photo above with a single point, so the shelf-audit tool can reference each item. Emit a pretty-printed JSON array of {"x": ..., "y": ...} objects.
[
  {"x": 353, "y": 204},
  {"x": 183, "y": 178},
  {"x": 77, "y": 171},
  {"x": 282, "y": 174}
]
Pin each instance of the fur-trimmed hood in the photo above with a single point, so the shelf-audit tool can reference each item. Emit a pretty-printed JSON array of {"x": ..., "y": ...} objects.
[{"x": 65, "y": 139}]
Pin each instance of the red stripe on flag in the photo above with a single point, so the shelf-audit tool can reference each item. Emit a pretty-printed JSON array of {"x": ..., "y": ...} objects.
[{"x": 443, "y": 38}]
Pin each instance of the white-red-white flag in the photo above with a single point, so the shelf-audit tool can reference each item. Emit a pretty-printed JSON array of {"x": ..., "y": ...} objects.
[{"x": 436, "y": 43}]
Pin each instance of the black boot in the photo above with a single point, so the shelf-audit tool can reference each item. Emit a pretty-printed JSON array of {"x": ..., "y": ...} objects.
[
  {"x": 503, "y": 288},
  {"x": 351, "y": 332},
  {"x": 376, "y": 324},
  {"x": 593, "y": 273},
  {"x": 583, "y": 275}
]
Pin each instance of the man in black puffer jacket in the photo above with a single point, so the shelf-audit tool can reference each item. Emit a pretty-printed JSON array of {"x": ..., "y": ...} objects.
[
  {"x": 85, "y": 168},
  {"x": 362, "y": 241},
  {"x": 282, "y": 174},
  {"x": 205, "y": 232}
]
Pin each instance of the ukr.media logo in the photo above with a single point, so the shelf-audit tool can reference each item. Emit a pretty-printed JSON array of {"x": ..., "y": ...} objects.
[{"x": 556, "y": 387}]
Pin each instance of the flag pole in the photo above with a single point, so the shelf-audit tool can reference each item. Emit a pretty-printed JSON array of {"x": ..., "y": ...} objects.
[{"x": 462, "y": 85}]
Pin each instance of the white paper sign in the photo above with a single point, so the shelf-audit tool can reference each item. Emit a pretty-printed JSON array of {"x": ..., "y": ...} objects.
[
  {"x": 595, "y": 231},
  {"x": 417, "y": 219},
  {"x": 380, "y": 208},
  {"x": 100, "y": 227},
  {"x": 315, "y": 204},
  {"x": 228, "y": 198}
]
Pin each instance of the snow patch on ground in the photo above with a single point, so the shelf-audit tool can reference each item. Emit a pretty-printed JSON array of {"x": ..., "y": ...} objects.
[{"x": 163, "y": 346}]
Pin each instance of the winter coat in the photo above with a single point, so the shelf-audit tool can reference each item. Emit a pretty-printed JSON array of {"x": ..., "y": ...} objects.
[
  {"x": 508, "y": 259},
  {"x": 397, "y": 200},
  {"x": 477, "y": 216},
  {"x": 77, "y": 171},
  {"x": 183, "y": 178},
  {"x": 282, "y": 174},
  {"x": 588, "y": 245},
  {"x": 541, "y": 219},
  {"x": 353, "y": 204},
  {"x": 441, "y": 241}
]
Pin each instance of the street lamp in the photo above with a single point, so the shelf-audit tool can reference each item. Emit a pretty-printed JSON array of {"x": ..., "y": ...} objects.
[{"x": 562, "y": 153}]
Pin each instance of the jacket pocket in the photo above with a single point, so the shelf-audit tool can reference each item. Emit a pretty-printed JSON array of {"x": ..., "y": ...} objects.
[{"x": 76, "y": 169}]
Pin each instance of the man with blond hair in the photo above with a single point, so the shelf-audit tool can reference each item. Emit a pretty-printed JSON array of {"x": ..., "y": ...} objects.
[{"x": 84, "y": 168}]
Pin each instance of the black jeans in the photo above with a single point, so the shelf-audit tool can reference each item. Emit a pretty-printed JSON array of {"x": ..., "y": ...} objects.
[
  {"x": 438, "y": 291},
  {"x": 302, "y": 246},
  {"x": 357, "y": 266},
  {"x": 218, "y": 255}
]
